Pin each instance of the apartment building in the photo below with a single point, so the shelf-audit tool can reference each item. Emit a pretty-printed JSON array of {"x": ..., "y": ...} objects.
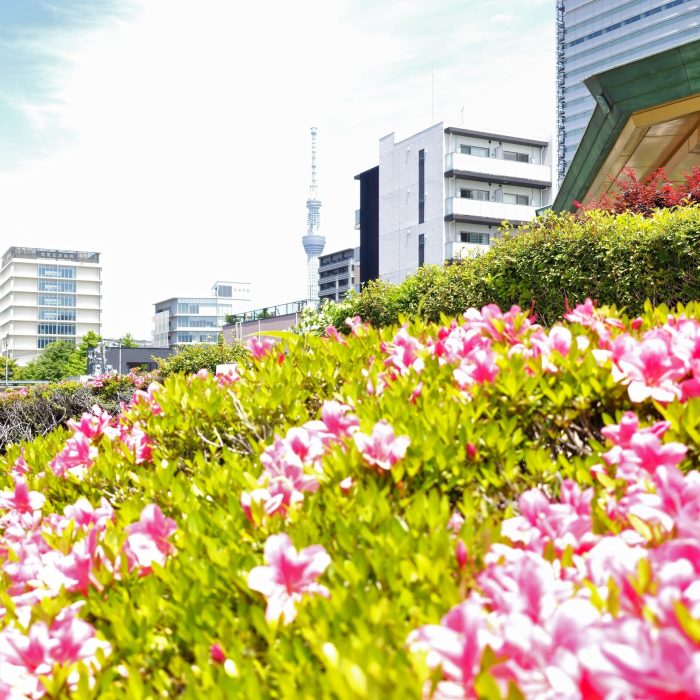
[
  {"x": 594, "y": 36},
  {"x": 47, "y": 295},
  {"x": 193, "y": 320},
  {"x": 443, "y": 193},
  {"x": 338, "y": 273}
]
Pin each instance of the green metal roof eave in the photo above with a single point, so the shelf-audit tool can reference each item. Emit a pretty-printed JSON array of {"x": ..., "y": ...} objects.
[{"x": 619, "y": 92}]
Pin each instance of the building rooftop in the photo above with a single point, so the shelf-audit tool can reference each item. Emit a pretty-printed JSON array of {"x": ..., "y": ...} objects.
[
  {"x": 49, "y": 254},
  {"x": 647, "y": 117}
]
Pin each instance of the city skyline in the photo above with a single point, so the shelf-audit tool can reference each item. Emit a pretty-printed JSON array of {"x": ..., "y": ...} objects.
[{"x": 149, "y": 133}]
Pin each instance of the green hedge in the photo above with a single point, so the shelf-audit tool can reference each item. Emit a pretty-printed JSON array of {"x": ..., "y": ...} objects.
[{"x": 621, "y": 259}]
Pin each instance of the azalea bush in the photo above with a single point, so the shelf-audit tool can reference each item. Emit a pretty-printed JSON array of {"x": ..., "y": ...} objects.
[
  {"x": 40, "y": 409},
  {"x": 621, "y": 259},
  {"x": 478, "y": 508}
]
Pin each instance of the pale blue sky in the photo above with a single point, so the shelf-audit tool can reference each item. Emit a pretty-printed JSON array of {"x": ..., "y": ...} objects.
[{"x": 173, "y": 136}]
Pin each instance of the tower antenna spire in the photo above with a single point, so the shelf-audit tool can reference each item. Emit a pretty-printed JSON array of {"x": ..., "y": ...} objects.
[{"x": 313, "y": 241}]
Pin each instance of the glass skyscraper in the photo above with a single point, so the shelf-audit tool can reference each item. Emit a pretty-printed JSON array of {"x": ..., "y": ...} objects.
[{"x": 596, "y": 35}]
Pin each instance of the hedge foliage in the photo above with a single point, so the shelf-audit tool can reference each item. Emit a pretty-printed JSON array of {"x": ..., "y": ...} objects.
[
  {"x": 620, "y": 259},
  {"x": 39, "y": 409},
  {"x": 390, "y": 460},
  {"x": 192, "y": 358}
]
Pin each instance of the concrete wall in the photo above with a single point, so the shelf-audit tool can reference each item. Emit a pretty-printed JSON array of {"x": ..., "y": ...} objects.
[{"x": 399, "y": 229}]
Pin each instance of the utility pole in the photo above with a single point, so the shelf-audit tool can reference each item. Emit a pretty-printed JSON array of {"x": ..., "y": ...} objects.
[{"x": 6, "y": 343}]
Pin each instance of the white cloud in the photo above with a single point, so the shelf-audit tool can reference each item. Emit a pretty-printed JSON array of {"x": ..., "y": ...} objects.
[{"x": 188, "y": 156}]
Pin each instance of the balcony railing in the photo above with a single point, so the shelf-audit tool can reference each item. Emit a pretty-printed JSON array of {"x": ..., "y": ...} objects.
[
  {"x": 268, "y": 312},
  {"x": 499, "y": 168},
  {"x": 495, "y": 211}
]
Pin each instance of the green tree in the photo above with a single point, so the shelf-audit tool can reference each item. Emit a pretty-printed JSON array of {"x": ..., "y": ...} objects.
[
  {"x": 58, "y": 361},
  {"x": 127, "y": 341}
]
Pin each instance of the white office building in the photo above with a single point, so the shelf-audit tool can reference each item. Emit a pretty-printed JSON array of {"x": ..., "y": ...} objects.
[
  {"x": 444, "y": 192},
  {"x": 194, "y": 320},
  {"x": 596, "y": 35},
  {"x": 47, "y": 295}
]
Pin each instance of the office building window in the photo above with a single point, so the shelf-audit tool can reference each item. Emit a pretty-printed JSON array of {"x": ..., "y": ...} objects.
[
  {"x": 56, "y": 314},
  {"x": 474, "y": 151},
  {"x": 474, "y": 237},
  {"x": 55, "y": 285},
  {"x": 469, "y": 193},
  {"x": 188, "y": 308},
  {"x": 225, "y": 291},
  {"x": 421, "y": 250},
  {"x": 518, "y": 157},
  {"x": 523, "y": 199},
  {"x": 421, "y": 186},
  {"x": 56, "y": 329},
  {"x": 56, "y": 299},
  {"x": 57, "y": 272}
]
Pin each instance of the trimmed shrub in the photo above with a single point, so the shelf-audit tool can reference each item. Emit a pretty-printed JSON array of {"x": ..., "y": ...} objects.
[
  {"x": 37, "y": 410},
  {"x": 299, "y": 527},
  {"x": 620, "y": 259},
  {"x": 192, "y": 358}
]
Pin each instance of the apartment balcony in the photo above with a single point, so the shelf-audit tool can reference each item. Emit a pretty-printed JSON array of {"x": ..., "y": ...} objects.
[
  {"x": 456, "y": 250},
  {"x": 478, "y": 212},
  {"x": 498, "y": 170}
]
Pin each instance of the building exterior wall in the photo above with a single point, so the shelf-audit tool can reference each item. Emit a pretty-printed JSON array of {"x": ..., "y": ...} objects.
[
  {"x": 596, "y": 35},
  {"x": 444, "y": 192},
  {"x": 367, "y": 219},
  {"x": 48, "y": 295},
  {"x": 336, "y": 274},
  {"x": 123, "y": 360}
]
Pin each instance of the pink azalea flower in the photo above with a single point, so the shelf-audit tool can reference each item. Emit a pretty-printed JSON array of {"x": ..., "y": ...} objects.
[
  {"x": 259, "y": 347},
  {"x": 137, "y": 442},
  {"x": 288, "y": 576},
  {"x": 74, "y": 639},
  {"x": 456, "y": 646},
  {"x": 623, "y": 433},
  {"x": 333, "y": 334},
  {"x": 356, "y": 325},
  {"x": 650, "y": 368},
  {"x": 20, "y": 467},
  {"x": 84, "y": 515},
  {"x": 455, "y": 522},
  {"x": 22, "y": 499},
  {"x": 346, "y": 485},
  {"x": 93, "y": 425},
  {"x": 147, "y": 539},
  {"x": 479, "y": 367},
  {"x": 461, "y": 554},
  {"x": 382, "y": 449},
  {"x": 338, "y": 419},
  {"x": 217, "y": 654},
  {"x": 75, "y": 458},
  {"x": 631, "y": 659},
  {"x": 404, "y": 354}
]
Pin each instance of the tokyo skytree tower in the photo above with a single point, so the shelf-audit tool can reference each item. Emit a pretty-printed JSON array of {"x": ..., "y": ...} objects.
[{"x": 313, "y": 240}]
